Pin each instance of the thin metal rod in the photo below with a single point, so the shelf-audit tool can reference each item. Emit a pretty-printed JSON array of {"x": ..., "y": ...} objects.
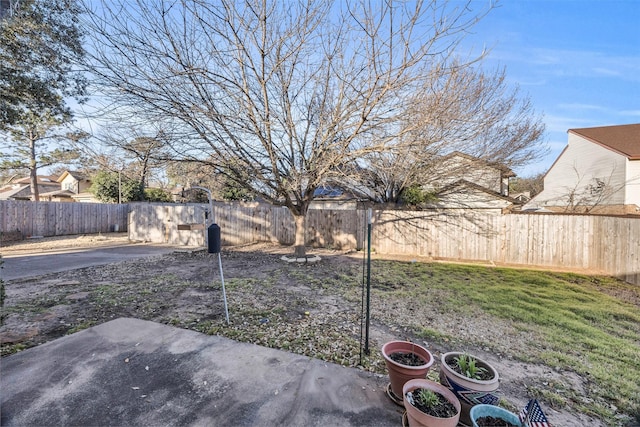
[
  {"x": 364, "y": 275},
  {"x": 366, "y": 340},
  {"x": 224, "y": 293},
  {"x": 211, "y": 220}
]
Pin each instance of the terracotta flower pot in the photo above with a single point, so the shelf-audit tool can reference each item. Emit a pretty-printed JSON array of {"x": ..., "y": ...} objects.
[
  {"x": 418, "y": 418},
  {"x": 469, "y": 391},
  {"x": 399, "y": 374},
  {"x": 480, "y": 411}
]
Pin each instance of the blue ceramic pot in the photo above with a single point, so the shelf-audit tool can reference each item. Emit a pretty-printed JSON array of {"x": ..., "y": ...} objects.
[{"x": 479, "y": 411}]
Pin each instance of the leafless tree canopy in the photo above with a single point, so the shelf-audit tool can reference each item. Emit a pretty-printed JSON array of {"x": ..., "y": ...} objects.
[
  {"x": 292, "y": 92},
  {"x": 462, "y": 108}
]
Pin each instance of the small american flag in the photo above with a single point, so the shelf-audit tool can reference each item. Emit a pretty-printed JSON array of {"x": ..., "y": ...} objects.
[{"x": 532, "y": 415}]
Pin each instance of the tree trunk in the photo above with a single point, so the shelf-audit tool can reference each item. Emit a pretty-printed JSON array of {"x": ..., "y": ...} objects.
[{"x": 299, "y": 246}]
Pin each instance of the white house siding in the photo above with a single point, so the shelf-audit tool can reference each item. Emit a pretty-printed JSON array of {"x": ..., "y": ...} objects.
[
  {"x": 458, "y": 167},
  {"x": 577, "y": 169},
  {"x": 464, "y": 197},
  {"x": 70, "y": 183},
  {"x": 632, "y": 196}
]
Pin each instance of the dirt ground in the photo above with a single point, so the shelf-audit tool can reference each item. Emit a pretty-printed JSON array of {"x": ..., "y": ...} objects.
[{"x": 273, "y": 303}]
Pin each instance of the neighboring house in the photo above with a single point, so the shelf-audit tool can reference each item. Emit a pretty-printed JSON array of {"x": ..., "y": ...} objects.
[
  {"x": 465, "y": 182},
  {"x": 457, "y": 166},
  {"x": 334, "y": 197},
  {"x": 459, "y": 181},
  {"x": 69, "y": 187},
  {"x": 463, "y": 194},
  {"x": 523, "y": 197},
  {"x": 20, "y": 189},
  {"x": 78, "y": 185},
  {"x": 597, "y": 172},
  {"x": 74, "y": 182}
]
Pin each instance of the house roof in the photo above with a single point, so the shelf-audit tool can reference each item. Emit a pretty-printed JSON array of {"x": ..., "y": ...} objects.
[
  {"x": 7, "y": 193},
  {"x": 57, "y": 193},
  {"x": 454, "y": 186},
  {"x": 623, "y": 139},
  {"x": 78, "y": 176},
  {"x": 21, "y": 188},
  {"x": 41, "y": 179}
]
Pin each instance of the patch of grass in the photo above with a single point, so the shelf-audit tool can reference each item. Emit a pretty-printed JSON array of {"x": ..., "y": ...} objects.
[
  {"x": 7, "y": 349},
  {"x": 80, "y": 326},
  {"x": 582, "y": 325}
]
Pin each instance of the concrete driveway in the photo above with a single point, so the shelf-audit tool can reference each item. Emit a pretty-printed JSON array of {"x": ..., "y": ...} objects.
[{"x": 17, "y": 266}]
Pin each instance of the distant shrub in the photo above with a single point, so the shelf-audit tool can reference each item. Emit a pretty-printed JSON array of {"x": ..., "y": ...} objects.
[{"x": 156, "y": 195}]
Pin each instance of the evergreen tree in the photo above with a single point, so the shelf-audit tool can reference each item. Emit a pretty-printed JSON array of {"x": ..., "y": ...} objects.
[
  {"x": 108, "y": 187},
  {"x": 40, "y": 41}
]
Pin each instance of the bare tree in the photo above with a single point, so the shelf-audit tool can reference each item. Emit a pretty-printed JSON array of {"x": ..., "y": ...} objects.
[
  {"x": 532, "y": 185},
  {"x": 590, "y": 193},
  {"x": 143, "y": 149},
  {"x": 592, "y": 188},
  {"x": 464, "y": 109},
  {"x": 290, "y": 91}
]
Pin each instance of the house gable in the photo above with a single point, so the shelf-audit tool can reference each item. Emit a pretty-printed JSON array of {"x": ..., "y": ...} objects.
[
  {"x": 623, "y": 139},
  {"x": 458, "y": 166},
  {"x": 595, "y": 172},
  {"x": 74, "y": 182}
]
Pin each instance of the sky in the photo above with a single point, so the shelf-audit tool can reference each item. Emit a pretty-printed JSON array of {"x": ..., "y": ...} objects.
[{"x": 578, "y": 61}]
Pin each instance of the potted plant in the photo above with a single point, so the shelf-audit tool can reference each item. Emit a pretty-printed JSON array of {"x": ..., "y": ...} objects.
[
  {"x": 471, "y": 379},
  {"x": 404, "y": 361},
  {"x": 430, "y": 404},
  {"x": 490, "y": 415}
]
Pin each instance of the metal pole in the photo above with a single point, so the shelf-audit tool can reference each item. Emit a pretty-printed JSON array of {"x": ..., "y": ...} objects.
[
  {"x": 206, "y": 235},
  {"x": 366, "y": 340},
  {"x": 224, "y": 293}
]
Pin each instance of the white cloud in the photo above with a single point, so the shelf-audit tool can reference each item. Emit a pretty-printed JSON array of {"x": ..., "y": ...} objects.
[
  {"x": 630, "y": 113},
  {"x": 540, "y": 62}
]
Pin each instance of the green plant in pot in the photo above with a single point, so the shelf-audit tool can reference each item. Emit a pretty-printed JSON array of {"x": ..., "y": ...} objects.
[
  {"x": 473, "y": 380},
  {"x": 405, "y": 361},
  {"x": 429, "y": 404},
  {"x": 468, "y": 366}
]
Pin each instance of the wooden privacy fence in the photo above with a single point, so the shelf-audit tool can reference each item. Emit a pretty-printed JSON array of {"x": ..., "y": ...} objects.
[
  {"x": 25, "y": 218},
  {"x": 242, "y": 223},
  {"x": 603, "y": 244}
]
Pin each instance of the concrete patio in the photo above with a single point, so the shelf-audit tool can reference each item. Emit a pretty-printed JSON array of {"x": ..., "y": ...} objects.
[{"x": 134, "y": 372}]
